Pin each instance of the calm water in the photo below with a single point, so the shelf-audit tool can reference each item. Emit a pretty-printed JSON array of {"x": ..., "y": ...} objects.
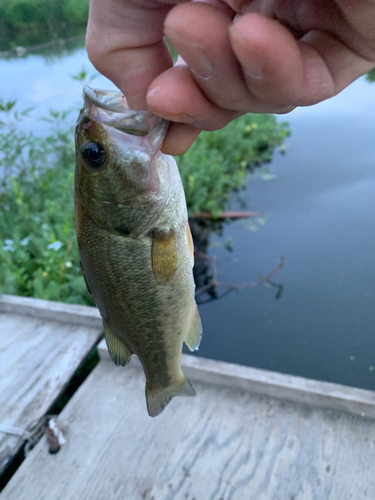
[{"x": 320, "y": 215}]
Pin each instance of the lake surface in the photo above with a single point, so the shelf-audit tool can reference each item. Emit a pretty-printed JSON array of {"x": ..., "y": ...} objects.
[{"x": 319, "y": 213}]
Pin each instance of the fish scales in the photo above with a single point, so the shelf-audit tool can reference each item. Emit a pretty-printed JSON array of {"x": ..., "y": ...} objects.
[{"x": 135, "y": 246}]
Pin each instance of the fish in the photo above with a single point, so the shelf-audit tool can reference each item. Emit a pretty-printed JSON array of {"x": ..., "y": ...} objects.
[{"x": 135, "y": 246}]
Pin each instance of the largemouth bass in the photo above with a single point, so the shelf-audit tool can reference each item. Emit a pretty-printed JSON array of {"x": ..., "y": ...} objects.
[{"x": 134, "y": 241}]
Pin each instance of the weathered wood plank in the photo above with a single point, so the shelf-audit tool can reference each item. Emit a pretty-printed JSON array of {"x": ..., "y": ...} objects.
[
  {"x": 226, "y": 444},
  {"x": 278, "y": 385},
  {"x": 37, "y": 359},
  {"x": 47, "y": 309}
]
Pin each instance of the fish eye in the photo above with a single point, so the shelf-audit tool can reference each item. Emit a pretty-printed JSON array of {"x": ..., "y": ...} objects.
[{"x": 94, "y": 154}]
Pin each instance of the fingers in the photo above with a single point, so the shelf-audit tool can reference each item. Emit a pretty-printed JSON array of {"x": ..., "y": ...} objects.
[
  {"x": 279, "y": 69},
  {"x": 270, "y": 59},
  {"x": 211, "y": 89},
  {"x": 253, "y": 64},
  {"x": 175, "y": 95},
  {"x": 179, "y": 138},
  {"x": 201, "y": 34},
  {"x": 125, "y": 43},
  {"x": 329, "y": 67}
]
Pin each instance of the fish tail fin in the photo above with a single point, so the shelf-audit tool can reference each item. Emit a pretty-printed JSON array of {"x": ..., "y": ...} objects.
[{"x": 158, "y": 398}]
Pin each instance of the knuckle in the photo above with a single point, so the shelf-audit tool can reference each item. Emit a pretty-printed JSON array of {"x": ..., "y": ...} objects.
[{"x": 92, "y": 48}]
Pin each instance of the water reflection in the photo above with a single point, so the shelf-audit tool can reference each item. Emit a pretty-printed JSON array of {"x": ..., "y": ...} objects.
[{"x": 10, "y": 38}]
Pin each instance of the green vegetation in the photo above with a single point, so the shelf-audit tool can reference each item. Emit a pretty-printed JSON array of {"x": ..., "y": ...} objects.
[
  {"x": 371, "y": 75},
  {"x": 219, "y": 161},
  {"x": 21, "y": 14},
  {"x": 24, "y": 21},
  {"x": 38, "y": 250}
]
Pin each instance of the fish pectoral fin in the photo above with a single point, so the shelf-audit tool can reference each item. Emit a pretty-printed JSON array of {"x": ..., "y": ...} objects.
[
  {"x": 190, "y": 243},
  {"x": 163, "y": 256},
  {"x": 118, "y": 351},
  {"x": 158, "y": 398},
  {"x": 194, "y": 333}
]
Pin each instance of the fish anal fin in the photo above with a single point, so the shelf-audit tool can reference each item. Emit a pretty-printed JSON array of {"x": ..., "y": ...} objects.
[
  {"x": 118, "y": 351},
  {"x": 190, "y": 243},
  {"x": 194, "y": 333},
  {"x": 163, "y": 256},
  {"x": 158, "y": 398}
]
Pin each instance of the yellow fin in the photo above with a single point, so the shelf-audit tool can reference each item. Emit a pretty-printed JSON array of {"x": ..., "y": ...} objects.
[
  {"x": 163, "y": 256},
  {"x": 190, "y": 243},
  {"x": 194, "y": 333},
  {"x": 118, "y": 351},
  {"x": 158, "y": 398}
]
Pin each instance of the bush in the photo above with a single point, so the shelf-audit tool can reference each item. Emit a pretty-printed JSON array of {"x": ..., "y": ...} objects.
[
  {"x": 38, "y": 249},
  {"x": 21, "y": 14},
  {"x": 76, "y": 12},
  {"x": 219, "y": 161}
]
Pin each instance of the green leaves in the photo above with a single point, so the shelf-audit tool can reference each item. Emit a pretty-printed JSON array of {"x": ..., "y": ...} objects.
[
  {"x": 83, "y": 76},
  {"x": 38, "y": 250},
  {"x": 7, "y": 105},
  {"x": 219, "y": 162},
  {"x": 370, "y": 77}
]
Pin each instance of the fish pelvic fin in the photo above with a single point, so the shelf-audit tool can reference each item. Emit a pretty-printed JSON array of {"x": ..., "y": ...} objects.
[
  {"x": 158, "y": 398},
  {"x": 194, "y": 333},
  {"x": 118, "y": 351}
]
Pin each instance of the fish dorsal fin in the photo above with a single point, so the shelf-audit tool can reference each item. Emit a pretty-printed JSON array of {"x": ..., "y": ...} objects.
[
  {"x": 194, "y": 333},
  {"x": 118, "y": 351},
  {"x": 163, "y": 256}
]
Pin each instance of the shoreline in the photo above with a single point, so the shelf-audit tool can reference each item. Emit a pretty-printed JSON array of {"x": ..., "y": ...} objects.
[{"x": 20, "y": 51}]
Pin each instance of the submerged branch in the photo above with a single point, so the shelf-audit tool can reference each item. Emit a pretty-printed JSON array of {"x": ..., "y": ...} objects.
[
  {"x": 225, "y": 215},
  {"x": 215, "y": 283}
]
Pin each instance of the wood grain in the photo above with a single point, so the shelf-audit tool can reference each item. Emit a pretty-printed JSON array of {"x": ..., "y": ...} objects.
[
  {"x": 38, "y": 357},
  {"x": 225, "y": 444},
  {"x": 47, "y": 309}
]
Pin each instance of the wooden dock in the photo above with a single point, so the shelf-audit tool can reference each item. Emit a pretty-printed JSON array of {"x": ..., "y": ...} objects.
[{"x": 249, "y": 434}]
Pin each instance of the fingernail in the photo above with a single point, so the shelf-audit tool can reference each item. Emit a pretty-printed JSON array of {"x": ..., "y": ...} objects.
[
  {"x": 253, "y": 68},
  {"x": 193, "y": 52},
  {"x": 202, "y": 67},
  {"x": 254, "y": 71},
  {"x": 154, "y": 91}
]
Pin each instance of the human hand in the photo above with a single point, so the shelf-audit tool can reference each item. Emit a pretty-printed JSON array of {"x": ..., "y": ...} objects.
[{"x": 260, "y": 56}]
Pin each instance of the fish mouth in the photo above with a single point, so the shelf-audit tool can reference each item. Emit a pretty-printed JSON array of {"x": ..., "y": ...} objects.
[{"x": 110, "y": 108}]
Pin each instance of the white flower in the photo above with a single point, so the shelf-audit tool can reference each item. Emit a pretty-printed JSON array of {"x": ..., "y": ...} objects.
[
  {"x": 68, "y": 264},
  {"x": 9, "y": 246},
  {"x": 56, "y": 245}
]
